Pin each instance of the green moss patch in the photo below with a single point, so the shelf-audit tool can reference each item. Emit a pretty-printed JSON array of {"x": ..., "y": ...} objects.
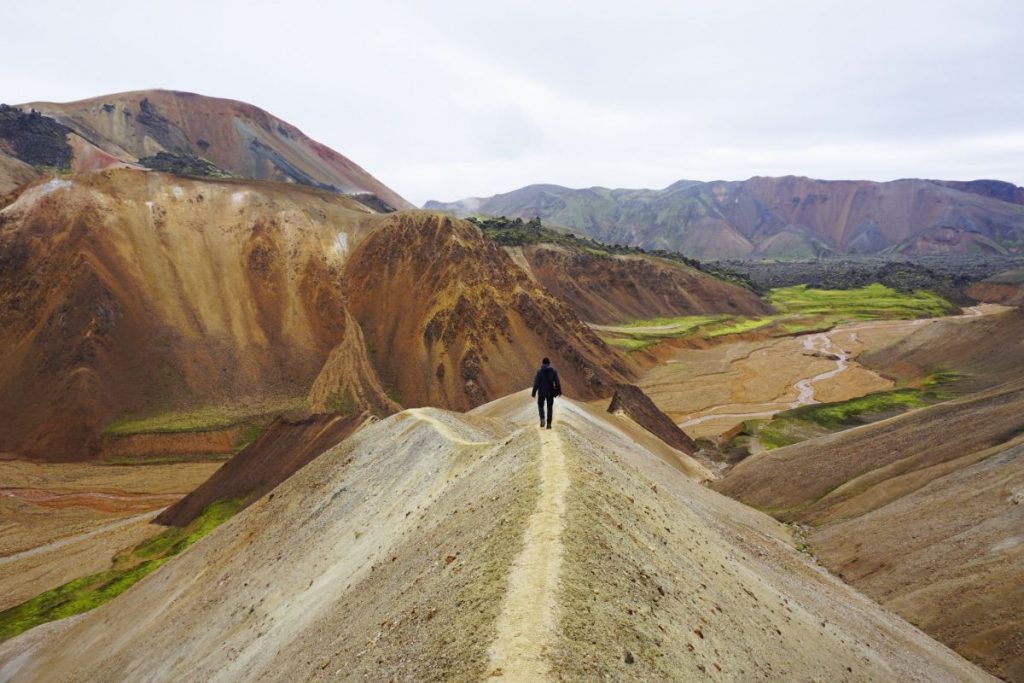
[
  {"x": 811, "y": 421},
  {"x": 205, "y": 419},
  {"x": 871, "y": 302},
  {"x": 801, "y": 310},
  {"x": 130, "y": 566}
]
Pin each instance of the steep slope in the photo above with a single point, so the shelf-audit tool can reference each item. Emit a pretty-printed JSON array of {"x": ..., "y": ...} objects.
[
  {"x": 450, "y": 320},
  {"x": 237, "y": 137},
  {"x": 618, "y": 288},
  {"x": 14, "y": 173},
  {"x": 285, "y": 448},
  {"x": 127, "y": 294},
  {"x": 783, "y": 217},
  {"x": 922, "y": 511},
  {"x": 417, "y": 548},
  {"x": 1005, "y": 288},
  {"x": 980, "y": 352},
  {"x": 130, "y": 292}
]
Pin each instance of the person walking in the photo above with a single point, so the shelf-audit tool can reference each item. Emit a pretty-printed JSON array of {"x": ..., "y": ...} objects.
[{"x": 545, "y": 387}]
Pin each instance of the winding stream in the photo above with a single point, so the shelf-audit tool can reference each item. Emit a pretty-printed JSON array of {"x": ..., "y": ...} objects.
[{"x": 821, "y": 344}]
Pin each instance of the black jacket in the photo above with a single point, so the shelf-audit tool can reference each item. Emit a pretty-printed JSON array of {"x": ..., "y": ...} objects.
[{"x": 546, "y": 383}]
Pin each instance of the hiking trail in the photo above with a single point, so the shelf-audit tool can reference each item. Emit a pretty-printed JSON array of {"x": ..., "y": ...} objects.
[
  {"x": 528, "y": 620},
  {"x": 75, "y": 538}
]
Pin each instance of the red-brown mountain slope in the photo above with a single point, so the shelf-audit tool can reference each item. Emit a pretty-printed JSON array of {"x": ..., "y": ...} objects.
[
  {"x": 450, "y": 320},
  {"x": 130, "y": 292},
  {"x": 1005, "y": 288},
  {"x": 617, "y": 288},
  {"x": 237, "y": 137},
  {"x": 126, "y": 293}
]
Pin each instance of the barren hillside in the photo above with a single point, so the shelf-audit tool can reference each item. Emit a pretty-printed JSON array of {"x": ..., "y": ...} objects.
[
  {"x": 236, "y": 137},
  {"x": 128, "y": 294},
  {"x": 922, "y": 511},
  {"x": 452, "y": 321},
  {"x": 459, "y": 547},
  {"x": 618, "y": 288}
]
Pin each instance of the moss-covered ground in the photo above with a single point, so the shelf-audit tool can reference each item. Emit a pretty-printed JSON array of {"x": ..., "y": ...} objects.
[
  {"x": 129, "y": 567},
  {"x": 801, "y": 310},
  {"x": 205, "y": 419},
  {"x": 810, "y": 421}
]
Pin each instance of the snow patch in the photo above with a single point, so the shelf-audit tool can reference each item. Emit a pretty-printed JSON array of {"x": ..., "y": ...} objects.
[
  {"x": 239, "y": 197},
  {"x": 1006, "y": 544},
  {"x": 341, "y": 243},
  {"x": 55, "y": 184},
  {"x": 178, "y": 192}
]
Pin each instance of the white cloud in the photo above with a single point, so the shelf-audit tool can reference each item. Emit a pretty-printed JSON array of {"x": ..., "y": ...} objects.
[{"x": 457, "y": 98}]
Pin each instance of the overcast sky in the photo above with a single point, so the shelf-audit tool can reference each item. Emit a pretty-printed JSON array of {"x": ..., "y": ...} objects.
[{"x": 443, "y": 100}]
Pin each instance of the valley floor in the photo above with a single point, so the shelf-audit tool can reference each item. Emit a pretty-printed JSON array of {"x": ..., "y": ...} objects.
[
  {"x": 61, "y": 521},
  {"x": 709, "y": 392}
]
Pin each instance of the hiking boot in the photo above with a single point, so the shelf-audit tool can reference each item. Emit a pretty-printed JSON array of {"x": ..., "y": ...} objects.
[
  {"x": 549, "y": 425},
  {"x": 542, "y": 423}
]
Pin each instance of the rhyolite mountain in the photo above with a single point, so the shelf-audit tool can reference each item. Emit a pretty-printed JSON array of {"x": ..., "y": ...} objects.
[
  {"x": 131, "y": 292},
  {"x": 163, "y": 252},
  {"x": 787, "y": 217},
  {"x": 178, "y": 132}
]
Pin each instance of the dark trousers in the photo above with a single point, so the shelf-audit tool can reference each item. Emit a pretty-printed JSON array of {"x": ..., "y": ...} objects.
[{"x": 541, "y": 400}]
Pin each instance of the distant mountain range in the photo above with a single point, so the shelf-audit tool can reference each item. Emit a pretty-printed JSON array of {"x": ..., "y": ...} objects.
[{"x": 787, "y": 217}]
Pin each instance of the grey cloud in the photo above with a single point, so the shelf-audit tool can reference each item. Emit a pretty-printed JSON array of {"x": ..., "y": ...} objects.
[{"x": 455, "y": 98}]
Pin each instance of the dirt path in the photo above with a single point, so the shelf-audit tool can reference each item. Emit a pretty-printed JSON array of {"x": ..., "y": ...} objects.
[
  {"x": 68, "y": 540},
  {"x": 528, "y": 620},
  {"x": 443, "y": 429},
  {"x": 98, "y": 500}
]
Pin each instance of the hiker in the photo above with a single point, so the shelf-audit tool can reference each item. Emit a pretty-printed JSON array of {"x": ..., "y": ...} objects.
[{"x": 545, "y": 387}]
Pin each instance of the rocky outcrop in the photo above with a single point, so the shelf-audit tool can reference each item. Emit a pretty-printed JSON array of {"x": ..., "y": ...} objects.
[{"x": 631, "y": 401}]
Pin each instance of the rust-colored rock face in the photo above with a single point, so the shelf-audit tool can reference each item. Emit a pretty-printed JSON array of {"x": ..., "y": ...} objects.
[
  {"x": 130, "y": 292},
  {"x": 632, "y": 402},
  {"x": 450, "y": 320},
  {"x": 239, "y": 138},
  {"x": 612, "y": 289},
  {"x": 125, "y": 292}
]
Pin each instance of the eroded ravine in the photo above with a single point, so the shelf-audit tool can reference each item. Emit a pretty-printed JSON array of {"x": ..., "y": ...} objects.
[{"x": 527, "y": 624}]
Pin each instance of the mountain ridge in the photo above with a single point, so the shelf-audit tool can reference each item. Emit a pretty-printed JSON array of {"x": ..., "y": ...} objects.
[
  {"x": 786, "y": 216},
  {"x": 238, "y": 137},
  {"x": 410, "y": 552}
]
